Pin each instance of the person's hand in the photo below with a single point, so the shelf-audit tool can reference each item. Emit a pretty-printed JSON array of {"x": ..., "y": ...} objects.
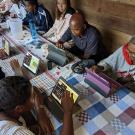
[
  {"x": 97, "y": 69},
  {"x": 12, "y": 15},
  {"x": 60, "y": 45},
  {"x": 67, "y": 102},
  {"x": 2, "y": 53},
  {"x": 43, "y": 119},
  {"x": 16, "y": 66}
]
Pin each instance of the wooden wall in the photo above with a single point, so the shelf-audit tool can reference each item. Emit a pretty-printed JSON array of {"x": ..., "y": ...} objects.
[{"x": 114, "y": 18}]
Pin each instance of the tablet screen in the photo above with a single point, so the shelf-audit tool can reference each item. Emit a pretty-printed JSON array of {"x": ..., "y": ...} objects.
[
  {"x": 6, "y": 46},
  {"x": 31, "y": 62},
  {"x": 60, "y": 88}
]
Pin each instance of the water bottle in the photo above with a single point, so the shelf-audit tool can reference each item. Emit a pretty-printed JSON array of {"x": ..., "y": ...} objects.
[{"x": 33, "y": 30}]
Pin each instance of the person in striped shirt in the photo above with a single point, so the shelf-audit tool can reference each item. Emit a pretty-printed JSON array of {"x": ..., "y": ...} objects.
[{"x": 18, "y": 96}]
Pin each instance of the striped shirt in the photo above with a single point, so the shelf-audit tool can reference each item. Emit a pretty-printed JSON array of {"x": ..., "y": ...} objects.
[{"x": 12, "y": 128}]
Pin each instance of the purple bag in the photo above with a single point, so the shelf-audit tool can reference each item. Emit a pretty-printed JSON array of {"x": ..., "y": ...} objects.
[{"x": 101, "y": 83}]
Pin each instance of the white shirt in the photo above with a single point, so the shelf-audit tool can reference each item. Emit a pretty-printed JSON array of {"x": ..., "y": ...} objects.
[
  {"x": 118, "y": 64},
  {"x": 20, "y": 11},
  {"x": 12, "y": 128},
  {"x": 59, "y": 28}
]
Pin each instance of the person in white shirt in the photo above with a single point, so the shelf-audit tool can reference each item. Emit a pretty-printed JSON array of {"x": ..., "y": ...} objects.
[
  {"x": 18, "y": 9},
  {"x": 121, "y": 63},
  {"x": 18, "y": 96},
  {"x": 63, "y": 14}
]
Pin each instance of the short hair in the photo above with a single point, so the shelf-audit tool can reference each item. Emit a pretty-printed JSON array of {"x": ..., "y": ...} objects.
[
  {"x": 33, "y": 2},
  {"x": 14, "y": 90}
]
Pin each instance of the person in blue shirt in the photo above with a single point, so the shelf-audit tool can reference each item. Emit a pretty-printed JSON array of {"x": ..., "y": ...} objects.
[{"x": 39, "y": 15}]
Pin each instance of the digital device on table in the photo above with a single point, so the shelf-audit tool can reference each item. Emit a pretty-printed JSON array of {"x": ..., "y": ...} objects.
[
  {"x": 31, "y": 62},
  {"x": 101, "y": 83},
  {"x": 53, "y": 102},
  {"x": 60, "y": 88},
  {"x": 6, "y": 46}
]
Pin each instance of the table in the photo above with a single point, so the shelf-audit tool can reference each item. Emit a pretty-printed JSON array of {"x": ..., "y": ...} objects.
[{"x": 98, "y": 115}]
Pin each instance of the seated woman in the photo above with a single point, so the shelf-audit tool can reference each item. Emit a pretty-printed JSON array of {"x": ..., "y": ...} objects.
[
  {"x": 39, "y": 15},
  {"x": 122, "y": 63},
  {"x": 62, "y": 19}
]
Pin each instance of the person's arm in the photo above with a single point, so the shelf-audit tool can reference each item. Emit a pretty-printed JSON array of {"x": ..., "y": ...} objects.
[
  {"x": 51, "y": 31},
  {"x": 16, "y": 67},
  {"x": 64, "y": 27},
  {"x": 2, "y": 53},
  {"x": 67, "y": 104},
  {"x": 42, "y": 117},
  {"x": 66, "y": 37},
  {"x": 112, "y": 61}
]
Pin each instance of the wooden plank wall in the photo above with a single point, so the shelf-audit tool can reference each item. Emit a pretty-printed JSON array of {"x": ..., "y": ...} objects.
[{"x": 114, "y": 18}]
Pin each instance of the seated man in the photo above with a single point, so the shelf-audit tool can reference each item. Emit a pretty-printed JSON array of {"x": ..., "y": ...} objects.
[
  {"x": 122, "y": 63},
  {"x": 39, "y": 15},
  {"x": 17, "y": 96},
  {"x": 87, "y": 39}
]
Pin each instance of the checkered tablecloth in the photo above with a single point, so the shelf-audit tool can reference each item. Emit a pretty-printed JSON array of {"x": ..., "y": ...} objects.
[
  {"x": 103, "y": 116},
  {"x": 98, "y": 115}
]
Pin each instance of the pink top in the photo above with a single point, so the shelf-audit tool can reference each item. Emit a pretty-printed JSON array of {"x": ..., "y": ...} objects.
[{"x": 58, "y": 29}]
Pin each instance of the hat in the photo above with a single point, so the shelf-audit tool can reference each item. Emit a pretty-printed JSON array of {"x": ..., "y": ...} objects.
[{"x": 132, "y": 40}]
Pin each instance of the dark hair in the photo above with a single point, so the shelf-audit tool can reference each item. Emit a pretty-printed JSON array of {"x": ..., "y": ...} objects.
[
  {"x": 14, "y": 90},
  {"x": 58, "y": 13},
  {"x": 33, "y": 2}
]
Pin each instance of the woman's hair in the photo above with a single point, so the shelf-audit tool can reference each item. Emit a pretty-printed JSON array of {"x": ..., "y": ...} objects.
[
  {"x": 14, "y": 91},
  {"x": 58, "y": 13}
]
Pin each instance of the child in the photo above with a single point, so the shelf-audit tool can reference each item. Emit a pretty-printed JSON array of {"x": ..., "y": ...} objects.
[
  {"x": 18, "y": 96},
  {"x": 62, "y": 18},
  {"x": 39, "y": 15}
]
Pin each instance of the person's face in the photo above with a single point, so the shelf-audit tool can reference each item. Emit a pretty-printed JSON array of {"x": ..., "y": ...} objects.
[
  {"x": 62, "y": 6},
  {"x": 131, "y": 51},
  {"x": 76, "y": 30},
  {"x": 30, "y": 7}
]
